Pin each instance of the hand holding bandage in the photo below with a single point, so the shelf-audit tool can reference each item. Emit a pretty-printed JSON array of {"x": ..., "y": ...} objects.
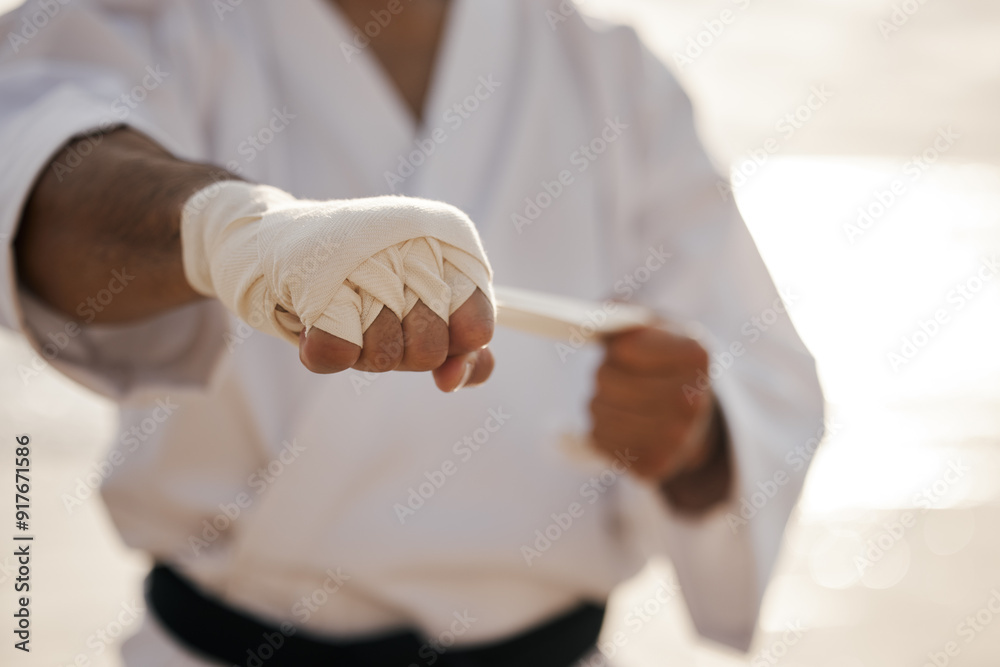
[{"x": 376, "y": 284}]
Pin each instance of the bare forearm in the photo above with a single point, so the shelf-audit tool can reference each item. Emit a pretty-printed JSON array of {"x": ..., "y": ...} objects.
[{"x": 110, "y": 226}]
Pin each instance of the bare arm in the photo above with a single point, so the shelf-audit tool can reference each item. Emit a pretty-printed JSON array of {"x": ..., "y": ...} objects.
[{"x": 119, "y": 209}]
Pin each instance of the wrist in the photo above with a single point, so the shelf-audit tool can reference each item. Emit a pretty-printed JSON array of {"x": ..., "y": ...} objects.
[
  {"x": 707, "y": 480},
  {"x": 210, "y": 215}
]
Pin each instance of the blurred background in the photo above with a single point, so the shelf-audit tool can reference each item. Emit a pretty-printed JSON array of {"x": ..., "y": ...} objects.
[{"x": 863, "y": 140}]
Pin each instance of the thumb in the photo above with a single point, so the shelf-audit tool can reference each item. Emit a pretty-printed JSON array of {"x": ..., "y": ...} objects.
[{"x": 464, "y": 370}]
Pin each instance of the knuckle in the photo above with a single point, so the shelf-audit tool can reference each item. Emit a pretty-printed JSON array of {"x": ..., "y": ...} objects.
[
  {"x": 377, "y": 362},
  {"x": 420, "y": 324},
  {"x": 389, "y": 360},
  {"x": 427, "y": 351},
  {"x": 473, "y": 332},
  {"x": 331, "y": 356},
  {"x": 392, "y": 349},
  {"x": 386, "y": 354}
]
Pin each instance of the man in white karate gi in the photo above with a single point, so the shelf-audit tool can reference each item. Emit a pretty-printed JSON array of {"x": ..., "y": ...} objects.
[{"x": 171, "y": 164}]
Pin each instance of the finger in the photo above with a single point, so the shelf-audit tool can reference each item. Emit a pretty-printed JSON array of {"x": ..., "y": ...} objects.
[
  {"x": 483, "y": 369},
  {"x": 635, "y": 392},
  {"x": 470, "y": 327},
  {"x": 659, "y": 444},
  {"x": 652, "y": 350},
  {"x": 614, "y": 426},
  {"x": 465, "y": 370},
  {"x": 671, "y": 397},
  {"x": 383, "y": 344},
  {"x": 425, "y": 340},
  {"x": 321, "y": 352}
]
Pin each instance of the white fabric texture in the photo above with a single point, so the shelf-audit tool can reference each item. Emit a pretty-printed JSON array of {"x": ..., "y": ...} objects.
[
  {"x": 531, "y": 94},
  {"x": 332, "y": 265}
]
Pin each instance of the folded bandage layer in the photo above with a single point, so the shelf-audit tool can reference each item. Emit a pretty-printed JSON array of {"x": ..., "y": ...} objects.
[{"x": 328, "y": 264}]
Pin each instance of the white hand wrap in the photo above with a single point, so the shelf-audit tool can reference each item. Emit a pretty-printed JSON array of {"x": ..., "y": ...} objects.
[{"x": 329, "y": 264}]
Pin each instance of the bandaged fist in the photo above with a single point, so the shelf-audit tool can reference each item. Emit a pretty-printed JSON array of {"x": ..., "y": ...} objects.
[
  {"x": 376, "y": 284},
  {"x": 421, "y": 342},
  {"x": 640, "y": 404}
]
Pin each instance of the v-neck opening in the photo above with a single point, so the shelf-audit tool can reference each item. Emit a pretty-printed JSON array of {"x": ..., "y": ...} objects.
[
  {"x": 380, "y": 73},
  {"x": 354, "y": 107}
]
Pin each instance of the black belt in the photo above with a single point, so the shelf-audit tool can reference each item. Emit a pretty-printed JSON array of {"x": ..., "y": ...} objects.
[{"x": 207, "y": 626}]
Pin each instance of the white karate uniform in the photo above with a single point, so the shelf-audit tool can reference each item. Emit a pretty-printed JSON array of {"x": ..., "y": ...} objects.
[{"x": 574, "y": 115}]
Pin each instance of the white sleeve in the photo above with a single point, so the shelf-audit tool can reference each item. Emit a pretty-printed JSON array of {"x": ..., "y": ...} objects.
[
  {"x": 763, "y": 376},
  {"x": 68, "y": 70}
]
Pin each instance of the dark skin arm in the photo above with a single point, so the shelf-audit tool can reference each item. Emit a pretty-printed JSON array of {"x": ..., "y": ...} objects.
[{"x": 120, "y": 208}]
